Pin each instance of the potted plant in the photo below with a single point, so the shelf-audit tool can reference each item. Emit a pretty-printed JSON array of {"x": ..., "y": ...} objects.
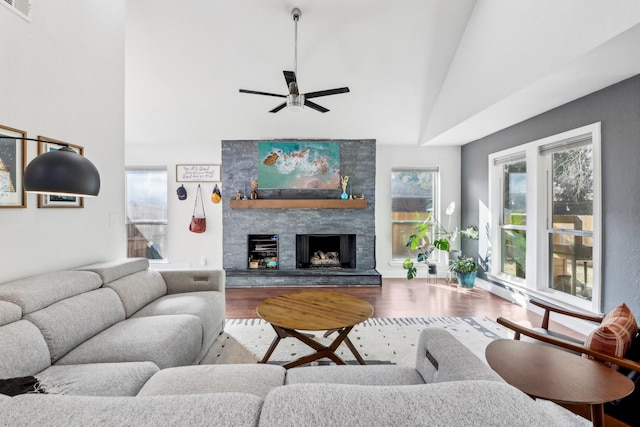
[
  {"x": 419, "y": 241},
  {"x": 465, "y": 269}
]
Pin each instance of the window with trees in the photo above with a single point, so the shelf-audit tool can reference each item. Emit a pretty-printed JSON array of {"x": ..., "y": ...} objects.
[
  {"x": 146, "y": 212},
  {"x": 413, "y": 199},
  {"x": 545, "y": 201},
  {"x": 570, "y": 228},
  {"x": 513, "y": 218}
]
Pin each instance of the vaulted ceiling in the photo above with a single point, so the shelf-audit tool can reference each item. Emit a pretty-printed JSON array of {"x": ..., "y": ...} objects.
[{"x": 440, "y": 72}]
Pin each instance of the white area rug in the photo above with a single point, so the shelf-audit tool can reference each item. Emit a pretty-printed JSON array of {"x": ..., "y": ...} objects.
[{"x": 378, "y": 340}]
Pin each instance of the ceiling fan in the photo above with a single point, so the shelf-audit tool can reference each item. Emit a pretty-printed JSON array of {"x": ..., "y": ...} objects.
[{"x": 295, "y": 99}]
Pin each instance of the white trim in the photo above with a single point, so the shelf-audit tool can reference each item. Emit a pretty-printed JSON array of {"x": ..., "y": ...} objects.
[{"x": 520, "y": 296}]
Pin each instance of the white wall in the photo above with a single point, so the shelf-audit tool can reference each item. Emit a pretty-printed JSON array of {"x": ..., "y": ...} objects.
[
  {"x": 448, "y": 159},
  {"x": 186, "y": 249},
  {"x": 62, "y": 76}
]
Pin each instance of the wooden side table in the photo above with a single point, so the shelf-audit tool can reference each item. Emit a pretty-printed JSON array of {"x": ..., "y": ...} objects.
[
  {"x": 552, "y": 374},
  {"x": 314, "y": 311}
]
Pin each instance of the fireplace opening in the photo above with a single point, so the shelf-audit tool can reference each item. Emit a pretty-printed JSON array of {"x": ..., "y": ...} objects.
[{"x": 326, "y": 251}]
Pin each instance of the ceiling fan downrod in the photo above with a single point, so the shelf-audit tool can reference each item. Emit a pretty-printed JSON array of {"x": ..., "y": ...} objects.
[{"x": 295, "y": 15}]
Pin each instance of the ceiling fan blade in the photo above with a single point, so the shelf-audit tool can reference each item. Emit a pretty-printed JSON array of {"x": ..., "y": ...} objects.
[
  {"x": 279, "y": 107},
  {"x": 326, "y": 92},
  {"x": 290, "y": 77},
  {"x": 262, "y": 93},
  {"x": 315, "y": 106}
]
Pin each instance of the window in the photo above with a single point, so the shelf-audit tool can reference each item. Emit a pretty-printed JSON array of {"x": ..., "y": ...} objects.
[
  {"x": 146, "y": 215},
  {"x": 513, "y": 219},
  {"x": 412, "y": 200},
  {"x": 545, "y": 216},
  {"x": 570, "y": 201}
]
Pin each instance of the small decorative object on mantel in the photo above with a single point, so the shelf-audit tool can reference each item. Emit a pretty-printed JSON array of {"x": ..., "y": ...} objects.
[
  {"x": 238, "y": 195},
  {"x": 343, "y": 182},
  {"x": 254, "y": 190}
]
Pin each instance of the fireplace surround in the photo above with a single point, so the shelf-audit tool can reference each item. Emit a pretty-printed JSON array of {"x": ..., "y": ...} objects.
[{"x": 239, "y": 168}]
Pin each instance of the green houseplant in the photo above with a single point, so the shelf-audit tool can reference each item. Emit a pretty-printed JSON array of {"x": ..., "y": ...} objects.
[
  {"x": 420, "y": 241},
  {"x": 466, "y": 269}
]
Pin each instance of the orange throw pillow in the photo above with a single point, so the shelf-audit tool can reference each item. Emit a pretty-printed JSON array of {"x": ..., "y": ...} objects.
[{"x": 615, "y": 333}]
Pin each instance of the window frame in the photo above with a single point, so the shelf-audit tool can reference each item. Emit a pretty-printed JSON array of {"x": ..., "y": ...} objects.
[
  {"x": 147, "y": 168},
  {"x": 538, "y": 211},
  {"x": 501, "y": 163},
  {"x": 436, "y": 208}
]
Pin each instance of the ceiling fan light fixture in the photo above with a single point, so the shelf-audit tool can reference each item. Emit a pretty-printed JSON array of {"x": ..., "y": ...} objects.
[{"x": 295, "y": 102}]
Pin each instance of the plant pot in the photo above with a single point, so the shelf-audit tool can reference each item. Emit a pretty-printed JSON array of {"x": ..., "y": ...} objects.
[{"x": 466, "y": 280}]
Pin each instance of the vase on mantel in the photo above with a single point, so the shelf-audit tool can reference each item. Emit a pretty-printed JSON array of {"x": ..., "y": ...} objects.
[{"x": 344, "y": 195}]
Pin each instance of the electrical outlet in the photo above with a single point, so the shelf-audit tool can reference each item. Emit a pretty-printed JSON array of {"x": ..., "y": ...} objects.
[{"x": 113, "y": 220}]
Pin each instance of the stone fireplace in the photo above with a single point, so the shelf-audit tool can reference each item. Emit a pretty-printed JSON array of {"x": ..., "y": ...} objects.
[{"x": 348, "y": 229}]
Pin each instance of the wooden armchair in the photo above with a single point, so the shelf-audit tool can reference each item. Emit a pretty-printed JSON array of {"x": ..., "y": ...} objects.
[{"x": 621, "y": 413}]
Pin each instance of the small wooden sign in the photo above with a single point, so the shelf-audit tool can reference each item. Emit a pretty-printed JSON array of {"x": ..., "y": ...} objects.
[{"x": 197, "y": 173}]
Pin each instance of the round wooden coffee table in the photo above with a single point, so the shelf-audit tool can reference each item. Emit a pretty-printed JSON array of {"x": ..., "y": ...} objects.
[
  {"x": 552, "y": 374},
  {"x": 314, "y": 311}
]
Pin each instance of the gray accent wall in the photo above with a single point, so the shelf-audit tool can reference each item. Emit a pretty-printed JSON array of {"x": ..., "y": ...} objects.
[
  {"x": 239, "y": 168},
  {"x": 618, "y": 109}
]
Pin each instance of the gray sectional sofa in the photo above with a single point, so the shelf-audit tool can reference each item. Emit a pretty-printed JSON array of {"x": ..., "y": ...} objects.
[
  {"x": 106, "y": 328},
  {"x": 117, "y": 344}
]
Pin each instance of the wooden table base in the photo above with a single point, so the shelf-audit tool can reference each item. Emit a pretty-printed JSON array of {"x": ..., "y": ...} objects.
[{"x": 322, "y": 351}]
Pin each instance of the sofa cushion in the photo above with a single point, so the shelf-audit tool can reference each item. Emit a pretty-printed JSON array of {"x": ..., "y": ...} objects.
[
  {"x": 615, "y": 333},
  {"x": 167, "y": 341},
  {"x": 36, "y": 292},
  {"x": 138, "y": 289},
  {"x": 359, "y": 375},
  {"x": 113, "y": 270},
  {"x": 258, "y": 379},
  {"x": 458, "y": 403},
  {"x": 97, "y": 379},
  {"x": 9, "y": 313},
  {"x": 23, "y": 350},
  {"x": 68, "y": 323},
  {"x": 207, "y": 306},
  {"x": 222, "y": 409}
]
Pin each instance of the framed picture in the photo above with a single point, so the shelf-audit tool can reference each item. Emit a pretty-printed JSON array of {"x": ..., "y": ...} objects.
[
  {"x": 198, "y": 173},
  {"x": 13, "y": 153},
  {"x": 47, "y": 145},
  {"x": 299, "y": 165}
]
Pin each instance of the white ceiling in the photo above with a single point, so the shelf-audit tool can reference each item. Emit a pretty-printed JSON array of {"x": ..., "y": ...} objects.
[{"x": 440, "y": 72}]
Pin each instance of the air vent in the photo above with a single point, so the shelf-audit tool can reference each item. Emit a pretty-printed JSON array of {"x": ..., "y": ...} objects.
[{"x": 21, "y": 7}]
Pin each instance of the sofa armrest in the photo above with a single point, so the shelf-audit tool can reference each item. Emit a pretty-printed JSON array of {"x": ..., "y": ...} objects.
[
  {"x": 180, "y": 281},
  {"x": 441, "y": 357}
]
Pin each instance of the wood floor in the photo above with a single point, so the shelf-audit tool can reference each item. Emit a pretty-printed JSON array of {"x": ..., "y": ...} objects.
[{"x": 402, "y": 298}]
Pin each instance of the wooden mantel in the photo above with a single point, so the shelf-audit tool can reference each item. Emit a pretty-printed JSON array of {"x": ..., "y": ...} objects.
[{"x": 298, "y": 204}]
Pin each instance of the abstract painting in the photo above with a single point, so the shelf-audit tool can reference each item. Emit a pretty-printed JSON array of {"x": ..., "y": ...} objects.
[{"x": 298, "y": 165}]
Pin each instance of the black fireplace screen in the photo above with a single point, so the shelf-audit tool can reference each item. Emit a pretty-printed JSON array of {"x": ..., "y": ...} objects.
[{"x": 326, "y": 251}]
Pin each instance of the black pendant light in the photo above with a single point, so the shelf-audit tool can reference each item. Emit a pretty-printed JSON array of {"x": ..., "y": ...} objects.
[{"x": 63, "y": 172}]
